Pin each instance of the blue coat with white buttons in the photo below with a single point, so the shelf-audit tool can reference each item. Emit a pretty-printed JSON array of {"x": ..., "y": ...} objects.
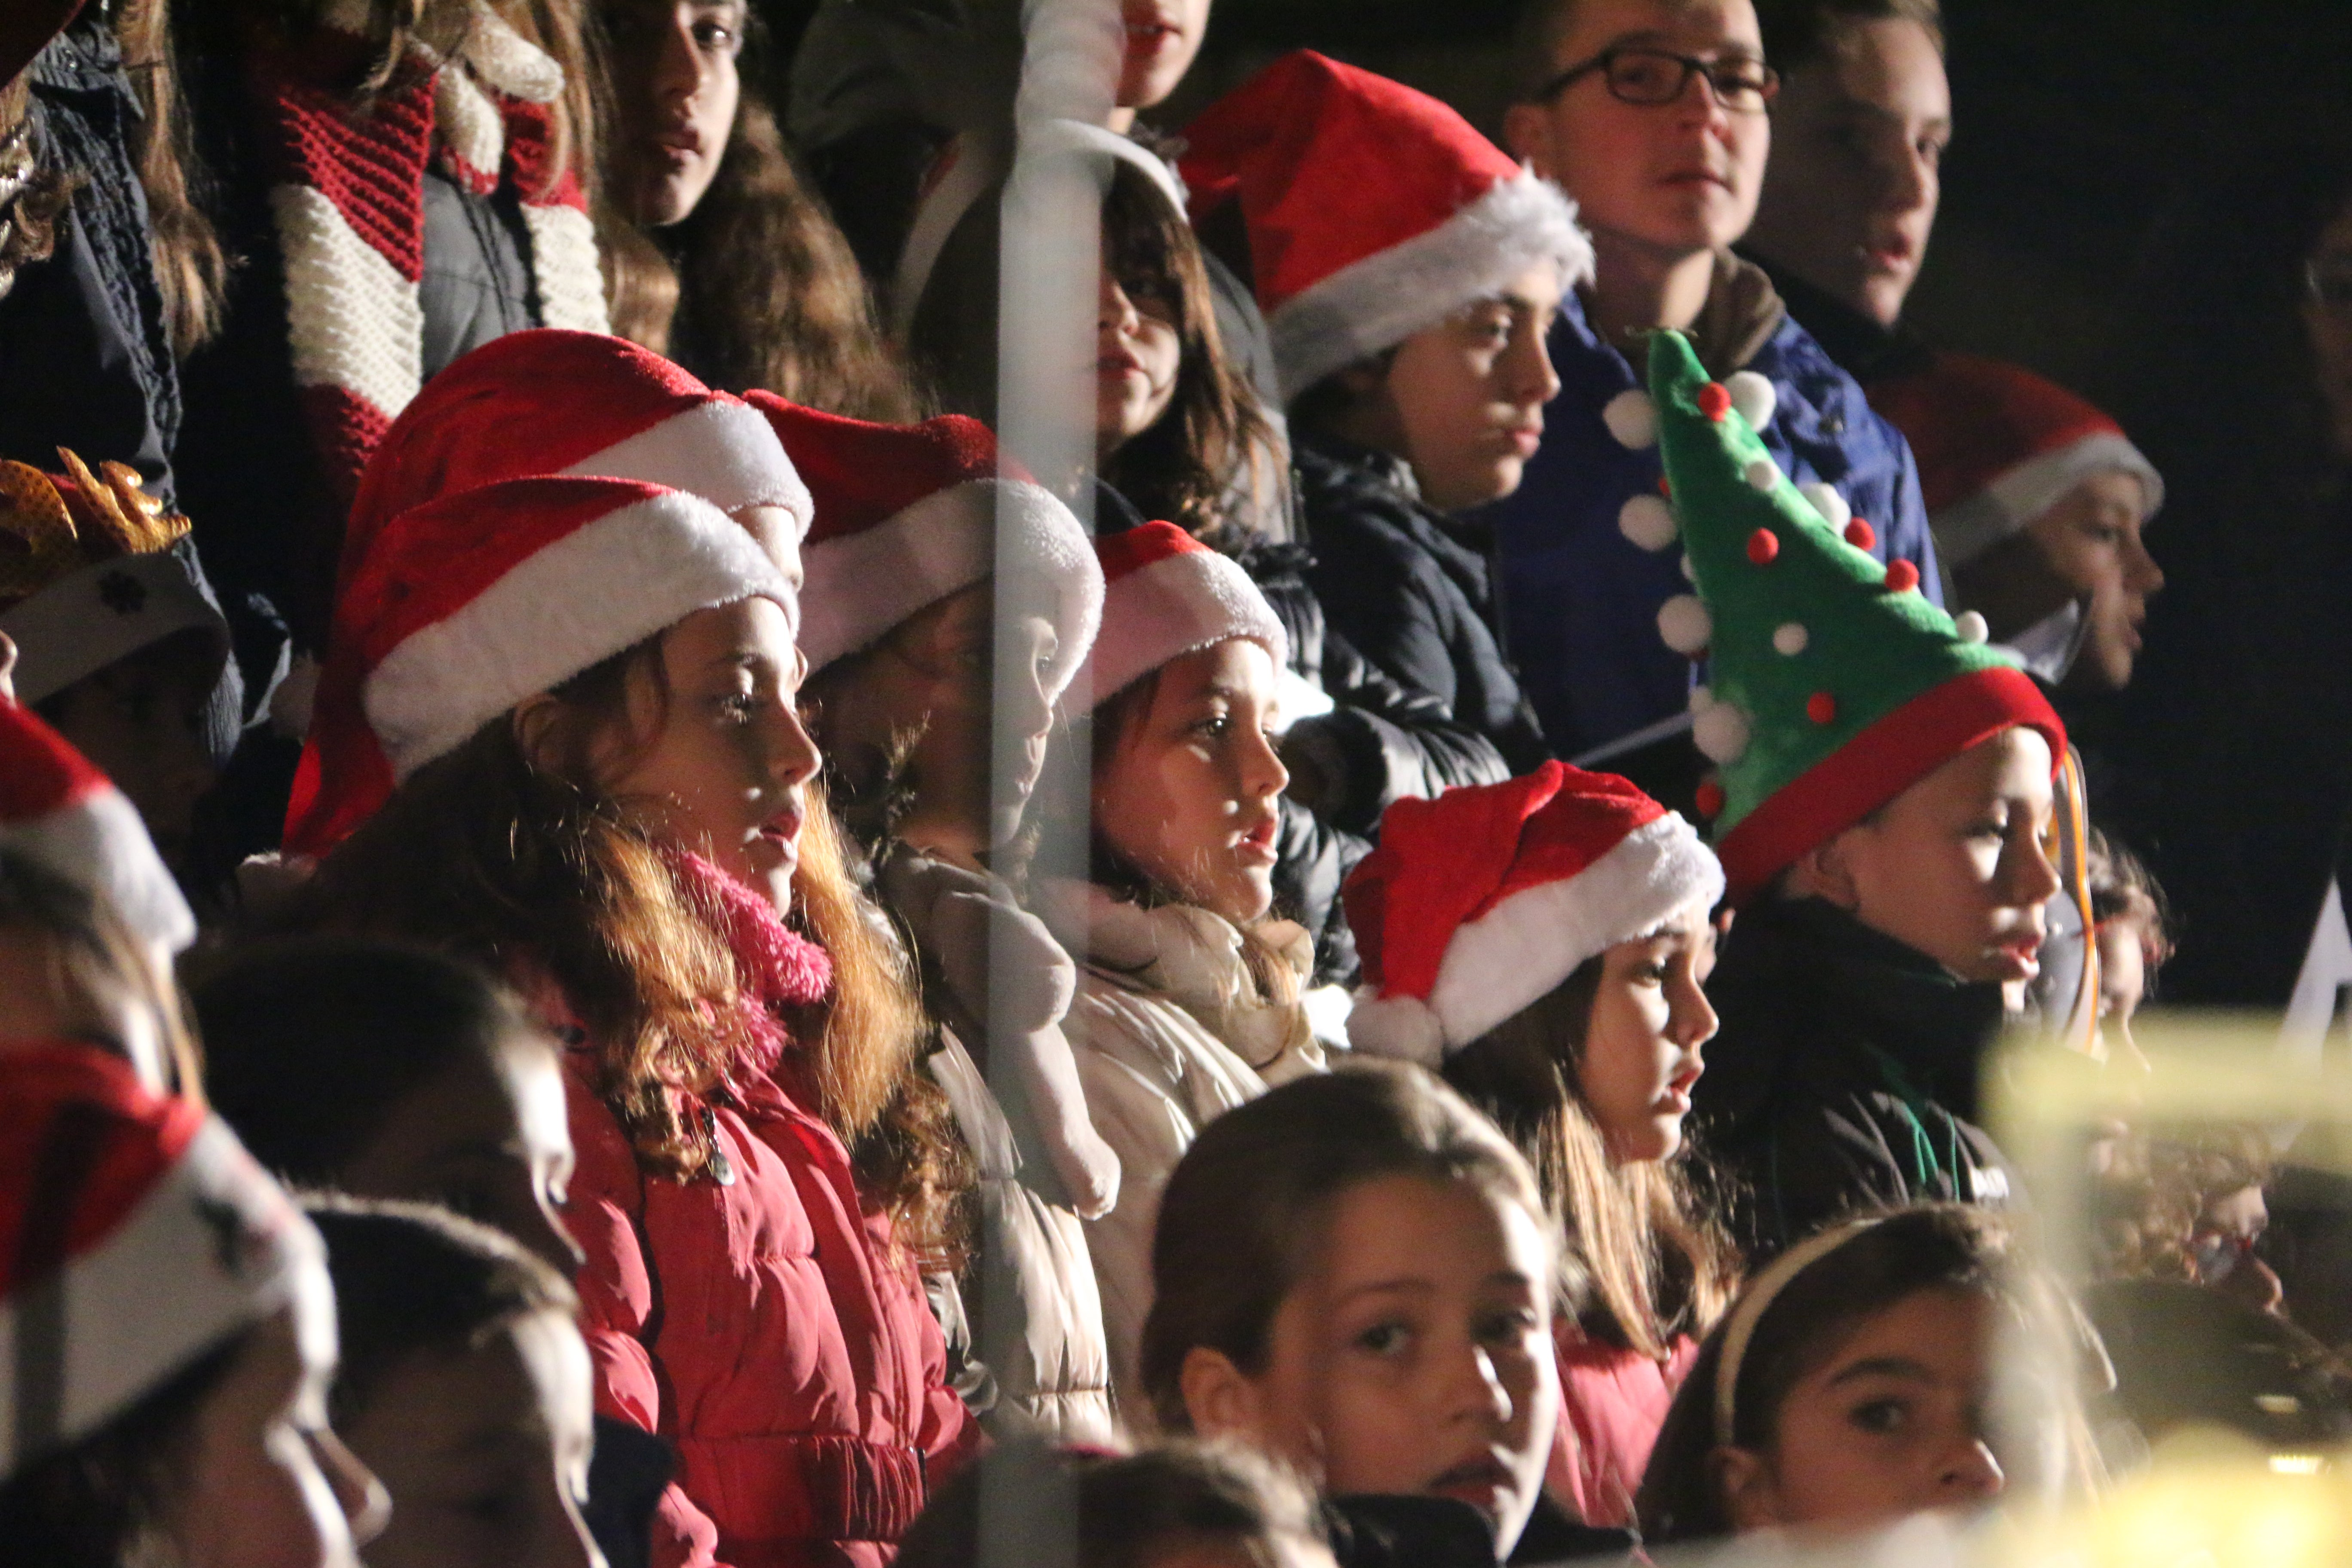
[{"x": 1581, "y": 601}]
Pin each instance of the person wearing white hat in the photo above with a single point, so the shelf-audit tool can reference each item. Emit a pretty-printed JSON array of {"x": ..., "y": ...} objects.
[
  {"x": 1544, "y": 944},
  {"x": 1187, "y": 993},
  {"x": 585, "y": 693},
  {"x": 923, "y": 549},
  {"x": 183, "y": 1425}
]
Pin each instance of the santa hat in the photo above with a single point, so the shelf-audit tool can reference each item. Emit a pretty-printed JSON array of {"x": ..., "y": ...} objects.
[
  {"x": 547, "y": 402},
  {"x": 470, "y": 604},
  {"x": 1373, "y": 211},
  {"x": 1834, "y": 684},
  {"x": 58, "y": 809},
  {"x": 543, "y": 401},
  {"x": 907, "y": 514},
  {"x": 1166, "y": 594},
  {"x": 94, "y": 569},
  {"x": 1998, "y": 446},
  {"x": 1478, "y": 904},
  {"x": 136, "y": 1234}
]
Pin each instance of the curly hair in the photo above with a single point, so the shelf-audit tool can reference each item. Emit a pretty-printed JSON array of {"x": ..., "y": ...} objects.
[{"x": 521, "y": 866}]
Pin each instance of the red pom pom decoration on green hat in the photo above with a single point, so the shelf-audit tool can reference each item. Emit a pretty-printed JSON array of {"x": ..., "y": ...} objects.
[{"x": 1832, "y": 685}]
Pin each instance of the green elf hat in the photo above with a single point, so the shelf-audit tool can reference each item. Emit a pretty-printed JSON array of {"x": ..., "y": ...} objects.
[{"x": 1834, "y": 684}]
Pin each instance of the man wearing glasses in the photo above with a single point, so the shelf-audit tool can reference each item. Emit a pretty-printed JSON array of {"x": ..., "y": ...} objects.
[{"x": 1654, "y": 115}]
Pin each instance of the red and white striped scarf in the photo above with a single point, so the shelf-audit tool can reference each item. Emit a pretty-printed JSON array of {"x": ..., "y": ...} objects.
[{"x": 347, "y": 192}]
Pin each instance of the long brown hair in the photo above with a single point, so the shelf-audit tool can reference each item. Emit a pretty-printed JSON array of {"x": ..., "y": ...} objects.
[
  {"x": 191, "y": 270},
  {"x": 757, "y": 288},
  {"x": 1213, "y": 434},
  {"x": 1240, "y": 1218},
  {"x": 529, "y": 869},
  {"x": 1658, "y": 1265},
  {"x": 1213, "y": 438}
]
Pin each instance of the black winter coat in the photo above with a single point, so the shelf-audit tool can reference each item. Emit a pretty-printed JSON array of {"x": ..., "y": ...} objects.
[
  {"x": 1413, "y": 592},
  {"x": 1845, "y": 1075},
  {"x": 1379, "y": 742},
  {"x": 84, "y": 354}
]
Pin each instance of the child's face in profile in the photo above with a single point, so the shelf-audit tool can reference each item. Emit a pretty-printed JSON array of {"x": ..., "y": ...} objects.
[
  {"x": 1191, "y": 792},
  {"x": 487, "y": 1138},
  {"x": 1415, "y": 1357},
  {"x": 1891, "y": 1423},
  {"x": 932, "y": 679},
  {"x": 1954, "y": 867},
  {"x": 265, "y": 1483},
  {"x": 1641, "y": 1056},
  {"x": 140, "y": 721},
  {"x": 1466, "y": 397},
  {"x": 720, "y": 766},
  {"x": 485, "y": 1451}
]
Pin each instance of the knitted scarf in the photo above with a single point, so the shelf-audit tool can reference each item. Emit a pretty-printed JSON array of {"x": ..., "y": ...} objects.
[
  {"x": 780, "y": 968},
  {"x": 348, "y": 196}
]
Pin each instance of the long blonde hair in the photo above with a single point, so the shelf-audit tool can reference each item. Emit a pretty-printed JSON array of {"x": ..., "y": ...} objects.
[
  {"x": 493, "y": 856},
  {"x": 1657, "y": 1266}
]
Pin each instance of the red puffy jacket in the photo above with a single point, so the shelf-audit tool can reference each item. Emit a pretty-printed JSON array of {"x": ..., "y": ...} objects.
[{"x": 764, "y": 1327}]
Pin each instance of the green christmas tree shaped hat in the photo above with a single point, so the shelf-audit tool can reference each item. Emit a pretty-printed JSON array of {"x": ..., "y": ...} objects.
[{"x": 1834, "y": 684}]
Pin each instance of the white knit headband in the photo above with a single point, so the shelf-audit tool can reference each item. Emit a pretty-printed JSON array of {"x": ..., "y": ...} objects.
[{"x": 1752, "y": 1306}]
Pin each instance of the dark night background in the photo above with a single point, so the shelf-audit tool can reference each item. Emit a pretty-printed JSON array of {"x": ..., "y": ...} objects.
[{"x": 2073, "y": 117}]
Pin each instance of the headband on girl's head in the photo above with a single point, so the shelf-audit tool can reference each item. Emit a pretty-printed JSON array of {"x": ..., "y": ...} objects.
[{"x": 1752, "y": 1306}]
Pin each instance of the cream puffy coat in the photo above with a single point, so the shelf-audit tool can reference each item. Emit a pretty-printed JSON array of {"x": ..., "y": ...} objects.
[
  {"x": 1169, "y": 1033},
  {"x": 1031, "y": 1289}
]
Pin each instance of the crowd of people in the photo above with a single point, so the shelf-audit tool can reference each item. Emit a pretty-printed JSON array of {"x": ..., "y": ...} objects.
[{"x": 542, "y": 1021}]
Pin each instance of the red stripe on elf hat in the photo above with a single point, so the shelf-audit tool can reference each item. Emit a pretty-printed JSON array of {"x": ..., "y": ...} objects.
[
  {"x": 470, "y": 604},
  {"x": 1166, "y": 594},
  {"x": 908, "y": 514},
  {"x": 1477, "y": 903}
]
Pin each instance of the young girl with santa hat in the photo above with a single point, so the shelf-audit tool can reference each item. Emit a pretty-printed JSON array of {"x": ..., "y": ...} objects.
[
  {"x": 1542, "y": 943},
  {"x": 1188, "y": 996},
  {"x": 1409, "y": 269},
  {"x": 586, "y": 692},
  {"x": 949, "y": 606}
]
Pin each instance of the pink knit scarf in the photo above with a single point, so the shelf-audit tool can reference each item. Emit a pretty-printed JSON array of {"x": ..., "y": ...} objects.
[{"x": 780, "y": 968}]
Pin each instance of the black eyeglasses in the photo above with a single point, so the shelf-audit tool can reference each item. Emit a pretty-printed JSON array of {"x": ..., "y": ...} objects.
[{"x": 1649, "y": 78}]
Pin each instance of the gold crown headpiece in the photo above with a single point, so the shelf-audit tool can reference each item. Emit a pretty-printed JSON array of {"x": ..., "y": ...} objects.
[{"x": 51, "y": 524}]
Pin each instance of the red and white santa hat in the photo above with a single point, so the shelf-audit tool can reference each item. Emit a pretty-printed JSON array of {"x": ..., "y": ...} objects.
[
  {"x": 468, "y": 605},
  {"x": 1998, "y": 446},
  {"x": 136, "y": 1234},
  {"x": 1166, "y": 594},
  {"x": 907, "y": 514},
  {"x": 562, "y": 403},
  {"x": 58, "y": 809},
  {"x": 1479, "y": 902},
  {"x": 531, "y": 404},
  {"x": 1373, "y": 211}
]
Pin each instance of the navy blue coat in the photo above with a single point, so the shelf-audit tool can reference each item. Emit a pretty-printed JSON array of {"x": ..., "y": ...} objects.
[{"x": 1583, "y": 601}]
